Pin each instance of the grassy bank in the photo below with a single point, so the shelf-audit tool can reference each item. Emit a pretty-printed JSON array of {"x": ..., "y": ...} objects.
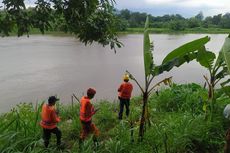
[
  {"x": 186, "y": 31},
  {"x": 177, "y": 125},
  {"x": 141, "y": 30}
]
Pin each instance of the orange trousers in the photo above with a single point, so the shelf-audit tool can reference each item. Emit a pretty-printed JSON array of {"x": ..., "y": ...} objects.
[{"x": 88, "y": 128}]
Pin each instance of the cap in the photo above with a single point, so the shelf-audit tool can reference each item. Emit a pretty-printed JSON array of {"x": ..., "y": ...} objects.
[
  {"x": 52, "y": 99},
  {"x": 126, "y": 77},
  {"x": 91, "y": 91}
]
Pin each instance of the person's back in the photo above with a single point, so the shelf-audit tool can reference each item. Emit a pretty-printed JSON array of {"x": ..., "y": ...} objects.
[
  {"x": 124, "y": 95},
  {"x": 49, "y": 120},
  {"x": 86, "y": 110},
  {"x": 86, "y": 113},
  {"x": 125, "y": 90}
]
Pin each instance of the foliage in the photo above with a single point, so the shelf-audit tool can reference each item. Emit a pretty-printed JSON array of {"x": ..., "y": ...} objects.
[
  {"x": 180, "y": 98},
  {"x": 92, "y": 20},
  {"x": 182, "y": 54},
  {"x": 217, "y": 70},
  {"x": 181, "y": 129},
  {"x": 177, "y": 57},
  {"x": 175, "y": 22},
  {"x": 226, "y": 52},
  {"x": 148, "y": 47},
  {"x": 177, "y": 25}
]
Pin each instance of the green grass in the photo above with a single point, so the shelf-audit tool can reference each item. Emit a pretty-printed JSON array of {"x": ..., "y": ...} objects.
[
  {"x": 177, "y": 125},
  {"x": 186, "y": 31},
  {"x": 140, "y": 30}
]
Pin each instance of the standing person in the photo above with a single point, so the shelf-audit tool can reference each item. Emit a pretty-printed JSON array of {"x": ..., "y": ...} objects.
[
  {"x": 49, "y": 120},
  {"x": 86, "y": 112},
  {"x": 124, "y": 95}
]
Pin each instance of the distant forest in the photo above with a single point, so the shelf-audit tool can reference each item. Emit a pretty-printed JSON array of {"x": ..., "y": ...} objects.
[
  {"x": 124, "y": 21},
  {"x": 177, "y": 22}
]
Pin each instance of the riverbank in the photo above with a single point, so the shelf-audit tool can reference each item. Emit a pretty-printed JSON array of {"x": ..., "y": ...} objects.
[
  {"x": 141, "y": 30},
  {"x": 186, "y": 31},
  {"x": 177, "y": 123}
]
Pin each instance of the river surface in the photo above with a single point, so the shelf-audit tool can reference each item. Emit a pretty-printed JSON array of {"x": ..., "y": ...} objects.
[{"x": 32, "y": 69}]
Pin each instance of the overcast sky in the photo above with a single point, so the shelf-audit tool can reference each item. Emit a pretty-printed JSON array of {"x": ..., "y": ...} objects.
[{"x": 186, "y": 8}]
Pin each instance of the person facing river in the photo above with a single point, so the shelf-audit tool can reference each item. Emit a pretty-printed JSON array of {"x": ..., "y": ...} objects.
[
  {"x": 124, "y": 95},
  {"x": 86, "y": 113}
]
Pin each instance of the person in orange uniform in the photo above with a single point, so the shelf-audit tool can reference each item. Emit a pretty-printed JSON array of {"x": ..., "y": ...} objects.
[
  {"x": 86, "y": 112},
  {"x": 49, "y": 121},
  {"x": 124, "y": 95}
]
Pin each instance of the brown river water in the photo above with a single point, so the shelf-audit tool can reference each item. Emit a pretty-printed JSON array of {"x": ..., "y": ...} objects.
[{"x": 32, "y": 69}]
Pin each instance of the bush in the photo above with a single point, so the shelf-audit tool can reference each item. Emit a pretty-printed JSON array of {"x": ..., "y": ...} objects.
[{"x": 180, "y": 98}]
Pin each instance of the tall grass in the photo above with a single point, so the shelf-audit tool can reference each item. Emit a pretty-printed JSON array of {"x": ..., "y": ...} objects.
[{"x": 176, "y": 116}]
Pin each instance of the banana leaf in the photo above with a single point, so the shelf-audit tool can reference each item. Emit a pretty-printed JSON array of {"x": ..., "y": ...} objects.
[
  {"x": 186, "y": 53},
  {"x": 147, "y": 50},
  {"x": 186, "y": 49},
  {"x": 205, "y": 58},
  {"x": 174, "y": 62},
  {"x": 226, "y": 52}
]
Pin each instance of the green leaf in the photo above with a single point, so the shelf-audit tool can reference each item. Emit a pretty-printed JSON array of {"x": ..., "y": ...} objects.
[
  {"x": 167, "y": 66},
  {"x": 226, "y": 90},
  {"x": 186, "y": 48},
  {"x": 147, "y": 51},
  {"x": 221, "y": 74},
  {"x": 186, "y": 53},
  {"x": 226, "y": 52},
  {"x": 225, "y": 82},
  {"x": 220, "y": 59},
  {"x": 205, "y": 58}
]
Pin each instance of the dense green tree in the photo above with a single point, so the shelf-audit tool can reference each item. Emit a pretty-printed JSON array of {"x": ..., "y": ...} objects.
[
  {"x": 200, "y": 16},
  {"x": 137, "y": 19},
  {"x": 89, "y": 20},
  {"x": 179, "y": 17},
  {"x": 177, "y": 25},
  {"x": 216, "y": 19},
  {"x": 193, "y": 23},
  {"x": 207, "y": 22},
  {"x": 125, "y": 14},
  {"x": 174, "y": 22},
  {"x": 225, "y": 21}
]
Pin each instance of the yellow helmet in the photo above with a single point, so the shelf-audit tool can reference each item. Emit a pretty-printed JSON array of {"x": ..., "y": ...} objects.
[{"x": 126, "y": 77}]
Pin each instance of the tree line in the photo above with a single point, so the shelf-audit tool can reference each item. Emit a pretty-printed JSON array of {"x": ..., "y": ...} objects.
[
  {"x": 96, "y": 20},
  {"x": 129, "y": 19}
]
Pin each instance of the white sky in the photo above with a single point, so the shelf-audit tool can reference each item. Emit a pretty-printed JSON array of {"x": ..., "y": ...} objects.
[{"x": 186, "y": 8}]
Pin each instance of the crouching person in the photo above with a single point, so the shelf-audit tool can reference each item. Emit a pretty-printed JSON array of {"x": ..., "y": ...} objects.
[
  {"x": 49, "y": 120},
  {"x": 86, "y": 112}
]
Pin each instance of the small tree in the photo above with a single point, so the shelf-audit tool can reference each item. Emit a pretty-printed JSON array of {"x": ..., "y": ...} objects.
[
  {"x": 177, "y": 57},
  {"x": 217, "y": 71}
]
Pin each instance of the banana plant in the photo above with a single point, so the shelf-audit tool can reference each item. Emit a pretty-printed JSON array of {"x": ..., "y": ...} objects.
[
  {"x": 218, "y": 69},
  {"x": 226, "y": 57},
  {"x": 177, "y": 57}
]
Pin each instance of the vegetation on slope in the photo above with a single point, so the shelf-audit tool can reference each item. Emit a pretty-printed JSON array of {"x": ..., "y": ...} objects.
[{"x": 177, "y": 125}]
